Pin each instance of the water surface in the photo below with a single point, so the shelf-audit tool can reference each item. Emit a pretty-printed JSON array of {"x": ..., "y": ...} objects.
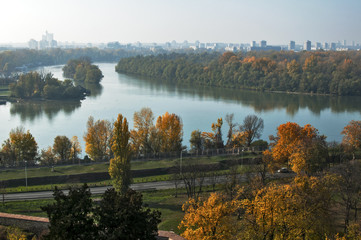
[{"x": 197, "y": 106}]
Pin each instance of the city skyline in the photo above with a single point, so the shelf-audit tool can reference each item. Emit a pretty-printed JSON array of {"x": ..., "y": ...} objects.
[{"x": 159, "y": 21}]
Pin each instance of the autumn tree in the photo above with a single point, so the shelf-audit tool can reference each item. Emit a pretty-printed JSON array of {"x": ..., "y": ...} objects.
[
  {"x": 299, "y": 210},
  {"x": 252, "y": 127},
  {"x": 119, "y": 168},
  {"x": 214, "y": 139},
  {"x": 62, "y": 148},
  {"x": 352, "y": 136},
  {"x": 19, "y": 147},
  {"x": 97, "y": 139},
  {"x": 196, "y": 141},
  {"x": 170, "y": 130},
  {"x": 302, "y": 148},
  {"x": 209, "y": 218},
  {"x": 47, "y": 156},
  {"x": 141, "y": 135},
  {"x": 75, "y": 149}
]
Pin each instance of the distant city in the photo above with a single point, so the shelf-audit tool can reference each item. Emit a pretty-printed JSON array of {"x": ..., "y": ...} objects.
[{"x": 47, "y": 41}]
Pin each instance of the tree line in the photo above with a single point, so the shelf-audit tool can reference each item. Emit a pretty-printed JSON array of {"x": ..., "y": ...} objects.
[
  {"x": 152, "y": 138},
  {"x": 13, "y": 61},
  {"x": 335, "y": 73}
]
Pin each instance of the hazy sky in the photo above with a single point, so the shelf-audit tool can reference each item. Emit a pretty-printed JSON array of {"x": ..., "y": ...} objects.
[{"x": 238, "y": 21}]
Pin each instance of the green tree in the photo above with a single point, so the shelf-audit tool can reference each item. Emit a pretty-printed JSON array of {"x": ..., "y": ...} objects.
[
  {"x": 70, "y": 216},
  {"x": 119, "y": 168},
  {"x": 123, "y": 216}
]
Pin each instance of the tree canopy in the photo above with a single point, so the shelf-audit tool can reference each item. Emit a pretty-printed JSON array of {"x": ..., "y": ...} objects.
[
  {"x": 82, "y": 70},
  {"x": 336, "y": 73},
  {"x": 36, "y": 85}
]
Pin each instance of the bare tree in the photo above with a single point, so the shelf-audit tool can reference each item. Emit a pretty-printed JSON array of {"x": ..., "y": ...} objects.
[
  {"x": 232, "y": 125},
  {"x": 349, "y": 188},
  {"x": 193, "y": 175},
  {"x": 253, "y": 127}
]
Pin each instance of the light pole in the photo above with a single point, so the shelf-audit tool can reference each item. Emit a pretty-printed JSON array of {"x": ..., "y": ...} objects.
[
  {"x": 180, "y": 169},
  {"x": 26, "y": 175}
]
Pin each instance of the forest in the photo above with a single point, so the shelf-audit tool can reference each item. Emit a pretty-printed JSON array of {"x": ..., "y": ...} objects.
[{"x": 332, "y": 73}]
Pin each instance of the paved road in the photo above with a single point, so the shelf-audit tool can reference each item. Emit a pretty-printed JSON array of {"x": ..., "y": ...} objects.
[
  {"x": 138, "y": 187},
  {"x": 94, "y": 190}
]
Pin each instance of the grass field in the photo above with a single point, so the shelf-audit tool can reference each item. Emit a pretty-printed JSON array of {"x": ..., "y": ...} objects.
[
  {"x": 4, "y": 91},
  {"x": 8, "y": 174}
]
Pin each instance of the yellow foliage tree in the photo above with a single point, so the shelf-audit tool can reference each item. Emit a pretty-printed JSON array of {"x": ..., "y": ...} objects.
[
  {"x": 119, "y": 168},
  {"x": 300, "y": 210},
  {"x": 170, "y": 131},
  {"x": 210, "y": 219},
  {"x": 75, "y": 149},
  {"x": 20, "y": 146},
  {"x": 97, "y": 139},
  {"x": 143, "y": 129}
]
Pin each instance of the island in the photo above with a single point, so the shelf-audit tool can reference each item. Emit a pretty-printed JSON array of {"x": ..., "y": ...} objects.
[
  {"x": 82, "y": 70},
  {"x": 34, "y": 85}
]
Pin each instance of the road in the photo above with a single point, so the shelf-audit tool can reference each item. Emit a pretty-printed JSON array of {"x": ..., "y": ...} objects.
[{"x": 138, "y": 187}]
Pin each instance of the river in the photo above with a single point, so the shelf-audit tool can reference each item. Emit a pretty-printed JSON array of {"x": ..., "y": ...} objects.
[{"x": 197, "y": 106}]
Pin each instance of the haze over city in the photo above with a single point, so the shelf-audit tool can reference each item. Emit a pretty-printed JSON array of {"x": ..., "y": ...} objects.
[{"x": 278, "y": 21}]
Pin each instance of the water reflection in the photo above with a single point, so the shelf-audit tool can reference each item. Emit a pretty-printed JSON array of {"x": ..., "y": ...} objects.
[
  {"x": 32, "y": 110},
  {"x": 95, "y": 89},
  {"x": 259, "y": 101}
]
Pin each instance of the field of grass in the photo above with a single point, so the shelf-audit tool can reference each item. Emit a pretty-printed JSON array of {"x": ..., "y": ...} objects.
[
  {"x": 4, "y": 91},
  {"x": 8, "y": 174}
]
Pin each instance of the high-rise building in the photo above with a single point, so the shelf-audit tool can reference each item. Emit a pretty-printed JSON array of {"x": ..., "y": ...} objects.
[
  {"x": 292, "y": 45},
  {"x": 344, "y": 43},
  {"x": 33, "y": 44},
  {"x": 253, "y": 44},
  {"x": 318, "y": 45},
  {"x": 325, "y": 46},
  {"x": 333, "y": 46},
  {"x": 263, "y": 43},
  {"x": 307, "y": 46}
]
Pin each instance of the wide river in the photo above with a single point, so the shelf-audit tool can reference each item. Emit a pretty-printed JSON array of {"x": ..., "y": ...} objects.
[{"x": 197, "y": 106}]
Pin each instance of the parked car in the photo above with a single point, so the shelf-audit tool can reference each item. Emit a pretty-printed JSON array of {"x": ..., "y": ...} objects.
[{"x": 283, "y": 170}]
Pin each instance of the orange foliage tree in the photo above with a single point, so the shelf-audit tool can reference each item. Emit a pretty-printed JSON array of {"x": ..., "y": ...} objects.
[
  {"x": 352, "y": 136},
  {"x": 302, "y": 148}
]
